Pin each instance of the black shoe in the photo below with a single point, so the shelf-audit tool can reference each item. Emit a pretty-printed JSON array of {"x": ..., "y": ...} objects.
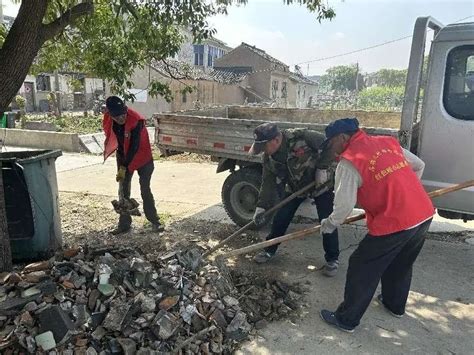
[
  {"x": 330, "y": 318},
  {"x": 380, "y": 300},
  {"x": 157, "y": 228},
  {"x": 120, "y": 230}
]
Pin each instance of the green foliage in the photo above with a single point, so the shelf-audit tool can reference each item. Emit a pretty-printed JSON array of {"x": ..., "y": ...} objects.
[
  {"x": 391, "y": 77},
  {"x": 76, "y": 85},
  {"x": 156, "y": 88},
  {"x": 381, "y": 98},
  {"x": 121, "y": 36},
  {"x": 72, "y": 123},
  {"x": 342, "y": 78},
  {"x": 20, "y": 101},
  {"x": 3, "y": 34}
]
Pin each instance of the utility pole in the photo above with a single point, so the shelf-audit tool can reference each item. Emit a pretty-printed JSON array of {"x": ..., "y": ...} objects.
[
  {"x": 357, "y": 77},
  {"x": 357, "y": 85}
]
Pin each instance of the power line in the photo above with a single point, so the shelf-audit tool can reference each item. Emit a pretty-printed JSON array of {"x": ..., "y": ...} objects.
[
  {"x": 355, "y": 51},
  {"x": 370, "y": 47}
]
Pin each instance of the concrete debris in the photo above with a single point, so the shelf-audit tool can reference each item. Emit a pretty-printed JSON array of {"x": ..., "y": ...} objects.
[
  {"x": 114, "y": 301},
  {"x": 129, "y": 347},
  {"x": 148, "y": 304},
  {"x": 118, "y": 317},
  {"x": 106, "y": 289},
  {"x": 57, "y": 321},
  {"x": 39, "y": 266},
  {"x": 165, "y": 325},
  {"x": 27, "y": 320},
  {"x": 169, "y": 302},
  {"x": 239, "y": 328},
  {"x": 45, "y": 341},
  {"x": 35, "y": 276},
  {"x": 190, "y": 259}
]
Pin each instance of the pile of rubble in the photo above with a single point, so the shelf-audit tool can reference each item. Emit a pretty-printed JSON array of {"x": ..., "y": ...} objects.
[{"x": 114, "y": 302}]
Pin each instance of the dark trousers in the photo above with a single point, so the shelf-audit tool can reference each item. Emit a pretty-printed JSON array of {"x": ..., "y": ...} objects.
[
  {"x": 324, "y": 205},
  {"x": 149, "y": 208},
  {"x": 388, "y": 258}
]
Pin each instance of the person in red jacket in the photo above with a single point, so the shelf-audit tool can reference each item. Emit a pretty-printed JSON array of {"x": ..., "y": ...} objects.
[
  {"x": 384, "y": 179},
  {"x": 126, "y": 134}
]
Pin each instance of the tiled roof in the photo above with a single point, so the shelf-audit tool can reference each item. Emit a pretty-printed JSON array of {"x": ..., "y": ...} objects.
[
  {"x": 263, "y": 54},
  {"x": 302, "y": 79},
  {"x": 184, "y": 71}
]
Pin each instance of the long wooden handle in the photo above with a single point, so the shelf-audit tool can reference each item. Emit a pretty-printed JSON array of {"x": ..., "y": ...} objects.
[
  {"x": 305, "y": 232},
  {"x": 283, "y": 202}
]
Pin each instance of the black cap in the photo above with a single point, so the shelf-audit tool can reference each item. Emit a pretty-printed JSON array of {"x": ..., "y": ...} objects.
[
  {"x": 115, "y": 106},
  {"x": 261, "y": 135},
  {"x": 342, "y": 125}
]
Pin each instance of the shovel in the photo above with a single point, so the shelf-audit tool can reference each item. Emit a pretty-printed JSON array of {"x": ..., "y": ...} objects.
[
  {"x": 326, "y": 186},
  {"x": 305, "y": 232},
  {"x": 126, "y": 206}
]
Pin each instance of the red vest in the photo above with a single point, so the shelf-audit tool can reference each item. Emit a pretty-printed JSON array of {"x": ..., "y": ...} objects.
[
  {"x": 143, "y": 155},
  {"x": 391, "y": 194}
]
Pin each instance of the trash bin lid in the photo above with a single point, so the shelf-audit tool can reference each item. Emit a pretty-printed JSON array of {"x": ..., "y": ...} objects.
[{"x": 30, "y": 156}]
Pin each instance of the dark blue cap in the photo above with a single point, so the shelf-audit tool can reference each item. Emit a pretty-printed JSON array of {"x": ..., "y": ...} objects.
[
  {"x": 115, "y": 106},
  {"x": 342, "y": 125},
  {"x": 261, "y": 135}
]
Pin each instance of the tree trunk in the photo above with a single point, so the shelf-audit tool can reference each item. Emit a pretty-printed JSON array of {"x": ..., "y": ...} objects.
[
  {"x": 21, "y": 45},
  {"x": 24, "y": 40},
  {"x": 5, "y": 250}
]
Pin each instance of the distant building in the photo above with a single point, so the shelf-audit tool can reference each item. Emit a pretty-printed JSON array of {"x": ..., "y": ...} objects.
[
  {"x": 269, "y": 79},
  {"x": 209, "y": 88},
  {"x": 77, "y": 91},
  {"x": 201, "y": 55}
]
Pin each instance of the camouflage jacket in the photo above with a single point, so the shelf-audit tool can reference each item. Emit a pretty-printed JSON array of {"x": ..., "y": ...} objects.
[{"x": 292, "y": 167}]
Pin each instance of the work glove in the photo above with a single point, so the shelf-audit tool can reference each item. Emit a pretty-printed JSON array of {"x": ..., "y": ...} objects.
[
  {"x": 327, "y": 227},
  {"x": 121, "y": 173},
  {"x": 258, "y": 217}
]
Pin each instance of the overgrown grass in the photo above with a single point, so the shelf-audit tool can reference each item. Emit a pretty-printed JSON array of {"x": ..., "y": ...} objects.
[{"x": 72, "y": 123}]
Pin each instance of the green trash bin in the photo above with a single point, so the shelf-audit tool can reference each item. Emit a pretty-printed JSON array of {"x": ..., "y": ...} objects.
[
  {"x": 32, "y": 203},
  {"x": 3, "y": 121}
]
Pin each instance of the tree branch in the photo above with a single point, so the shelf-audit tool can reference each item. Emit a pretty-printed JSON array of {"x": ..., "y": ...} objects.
[
  {"x": 130, "y": 8},
  {"x": 54, "y": 28},
  {"x": 171, "y": 74}
]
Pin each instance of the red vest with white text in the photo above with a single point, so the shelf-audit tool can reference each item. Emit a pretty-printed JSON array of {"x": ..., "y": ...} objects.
[
  {"x": 143, "y": 155},
  {"x": 391, "y": 194}
]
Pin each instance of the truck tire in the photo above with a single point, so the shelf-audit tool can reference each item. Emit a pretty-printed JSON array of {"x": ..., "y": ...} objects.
[{"x": 240, "y": 194}]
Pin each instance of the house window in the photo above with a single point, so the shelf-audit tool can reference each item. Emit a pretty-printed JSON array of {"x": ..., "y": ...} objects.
[
  {"x": 199, "y": 54},
  {"x": 458, "y": 95},
  {"x": 274, "y": 89},
  {"x": 213, "y": 53},
  {"x": 284, "y": 93},
  {"x": 184, "y": 98},
  {"x": 43, "y": 83}
]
